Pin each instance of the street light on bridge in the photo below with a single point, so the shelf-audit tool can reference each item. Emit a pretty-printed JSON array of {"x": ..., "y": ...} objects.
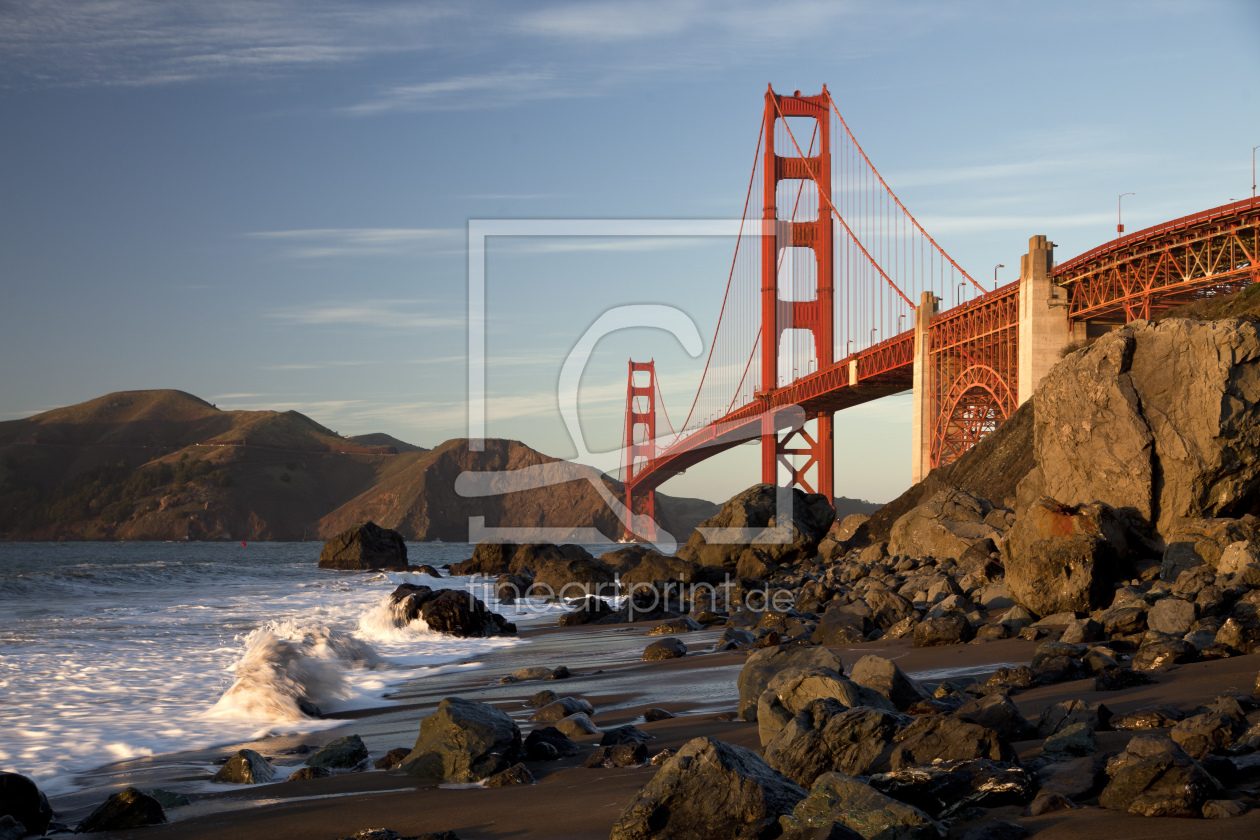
[
  {"x": 995, "y": 268},
  {"x": 1253, "y": 170},
  {"x": 1119, "y": 220}
]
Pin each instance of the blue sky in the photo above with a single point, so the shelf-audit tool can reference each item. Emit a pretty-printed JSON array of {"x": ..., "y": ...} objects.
[{"x": 265, "y": 203}]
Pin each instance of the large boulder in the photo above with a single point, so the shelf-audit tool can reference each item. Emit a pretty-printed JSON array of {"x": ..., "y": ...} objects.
[
  {"x": 761, "y": 666},
  {"x": 451, "y": 611},
  {"x": 950, "y": 739},
  {"x": 752, "y": 519},
  {"x": 828, "y": 737},
  {"x": 364, "y": 546},
  {"x": 949, "y": 524},
  {"x": 638, "y": 564},
  {"x": 1064, "y": 559},
  {"x": 944, "y": 788},
  {"x": 129, "y": 808},
  {"x": 793, "y": 689},
  {"x": 1203, "y": 542},
  {"x": 708, "y": 790},
  {"x": 1154, "y": 777},
  {"x": 837, "y": 798},
  {"x": 884, "y": 676},
  {"x": 22, "y": 799},
  {"x": 247, "y": 767},
  {"x": 463, "y": 741},
  {"x": 576, "y": 574},
  {"x": 1159, "y": 419},
  {"x": 344, "y": 753}
]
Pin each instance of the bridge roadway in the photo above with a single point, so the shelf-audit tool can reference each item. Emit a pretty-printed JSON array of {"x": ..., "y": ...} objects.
[{"x": 1136, "y": 275}]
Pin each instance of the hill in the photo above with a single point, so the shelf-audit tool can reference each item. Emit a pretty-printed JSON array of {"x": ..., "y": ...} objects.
[{"x": 166, "y": 465}]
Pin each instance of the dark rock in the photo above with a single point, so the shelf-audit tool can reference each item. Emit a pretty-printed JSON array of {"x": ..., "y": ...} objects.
[
  {"x": 652, "y": 715},
  {"x": 834, "y": 831},
  {"x": 450, "y": 611},
  {"x": 1063, "y": 558},
  {"x": 305, "y": 773},
  {"x": 11, "y": 829},
  {"x": 1172, "y": 616},
  {"x": 576, "y": 574},
  {"x": 838, "y": 627},
  {"x": 638, "y": 564},
  {"x": 949, "y": 739},
  {"x": 1083, "y": 630},
  {"x": 949, "y": 524},
  {"x": 1062, "y": 715},
  {"x": 944, "y": 788},
  {"x": 22, "y": 799},
  {"x": 560, "y": 743},
  {"x": 342, "y": 754},
  {"x": 560, "y": 673},
  {"x": 1149, "y": 717},
  {"x": 426, "y": 569},
  {"x": 1047, "y": 802},
  {"x": 1154, "y": 777},
  {"x": 1011, "y": 680},
  {"x": 997, "y": 712},
  {"x": 1222, "y": 809},
  {"x": 619, "y": 755},
  {"x": 951, "y": 629},
  {"x": 667, "y": 648},
  {"x": 1076, "y": 739},
  {"x": 762, "y": 666},
  {"x": 1075, "y": 779},
  {"x": 542, "y": 698},
  {"x": 129, "y": 808},
  {"x": 364, "y": 546},
  {"x": 517, "y": 774},
  {"x": 755, "y": 509},
  {"x": 1207, "y": 733},
  {"x": 1115, "y": 678},
  {"x": 827, "y": 737},
  {"x": 1124, "y": 620},
  {"x": 626, "y": 734},
  {"x": 1162, "y": 653},
  {"x": 463, "y": 741},
  {"x": 577, "y": 726},
  {"x": 392, "y": 758},
  {"x": 709, "y": 790},
  {"x": 511, "y": 588},
  {"x": 245, "y": 768},
  {"x": 684, "y": 624},
  {"x": 836, "y": 798},
  {"x": 561, "y": 709},
  {"x": 884, "y": 676}
]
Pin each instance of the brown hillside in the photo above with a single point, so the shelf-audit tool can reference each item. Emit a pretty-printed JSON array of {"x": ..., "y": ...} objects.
[
  {"x": 165, "y": 465},
  {"x": 419, "y": 497}
]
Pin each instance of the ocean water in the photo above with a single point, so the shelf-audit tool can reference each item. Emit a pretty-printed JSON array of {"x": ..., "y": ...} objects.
[{"x": 110, "y": 651}]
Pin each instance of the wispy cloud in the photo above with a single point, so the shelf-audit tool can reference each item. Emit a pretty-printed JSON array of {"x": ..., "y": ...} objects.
[
  {"x": 463, "y": 92},
  {"x": 145, "y": 42},
  {"x": 566, "y": 245},
  {"x": 315, "y": 243},
  {"x": 385, "y": 314}
]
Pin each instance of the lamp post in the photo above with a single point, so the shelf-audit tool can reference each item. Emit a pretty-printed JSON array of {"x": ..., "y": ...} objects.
[
  {"x": 958, "y": 293},
  {"x": 995, "y": 268},
  {"x": 1253, "y": 170},
  {"x": 1119, "y": 221}
]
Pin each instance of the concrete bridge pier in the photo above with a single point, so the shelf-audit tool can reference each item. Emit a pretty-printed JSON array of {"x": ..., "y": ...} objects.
[
  {"x": 1042, "y": 336},
  {"x": 1043, "y": 321},
  {"x": 924, "y": 392}
]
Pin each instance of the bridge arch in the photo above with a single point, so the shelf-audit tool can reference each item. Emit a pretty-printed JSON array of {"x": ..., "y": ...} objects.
[{"x": 976, "y": 403}]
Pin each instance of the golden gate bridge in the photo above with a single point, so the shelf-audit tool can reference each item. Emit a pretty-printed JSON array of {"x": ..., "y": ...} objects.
[{"x": 836, "y": 296}]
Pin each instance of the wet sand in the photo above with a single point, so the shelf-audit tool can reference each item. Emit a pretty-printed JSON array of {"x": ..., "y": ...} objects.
[{"x": 570, "y": 801}]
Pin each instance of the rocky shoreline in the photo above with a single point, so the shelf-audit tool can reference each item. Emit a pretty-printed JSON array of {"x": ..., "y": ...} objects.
[{"x": 1079, "y": 657}]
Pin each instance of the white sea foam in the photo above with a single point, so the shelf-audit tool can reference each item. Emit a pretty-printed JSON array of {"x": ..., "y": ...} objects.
[{"x": 117, "y": 651}]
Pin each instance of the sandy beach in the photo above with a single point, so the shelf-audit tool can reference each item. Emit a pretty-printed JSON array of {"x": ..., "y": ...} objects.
[{"x": 570, "y": 801}]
